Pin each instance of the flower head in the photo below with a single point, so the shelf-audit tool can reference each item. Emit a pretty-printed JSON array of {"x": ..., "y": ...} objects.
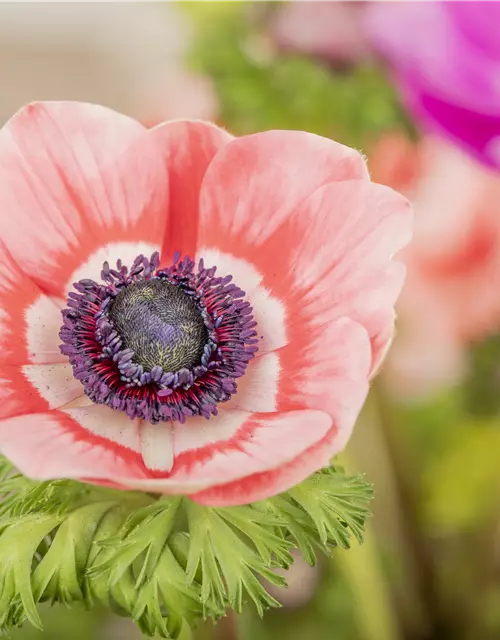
[
  {"x": 446, "y": 56},
  {"x": 448, "y": 301},
  {"x": 184, "y": 311},
  {"x": 332, "y": 31}
]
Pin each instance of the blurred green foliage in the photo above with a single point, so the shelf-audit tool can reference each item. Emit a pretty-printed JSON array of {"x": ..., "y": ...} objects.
[
  {"x": 59, "y": 623},
  {"x": 462, "y": 487},
  {"x": 259, "y": 88}
]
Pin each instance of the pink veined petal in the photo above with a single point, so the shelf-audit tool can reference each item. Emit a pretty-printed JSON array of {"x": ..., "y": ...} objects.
[
  {"x": 336, "y": 257},
  {"x": 29, "y": 326},
  {"x": 17, "y": 395},
  {"x": 246, "y": 444},
  {"x": 72, "y": 444},
  {"x": 256, "y": 182},
  {"x": 189, "y": 146},
  {"x": 259, "y": 486},
  {"x": 76, "y": 177},
  {"x": 320, "y": 240},
  {"x": 25, "y": 313},
  {"x": 59, "y": 448}
]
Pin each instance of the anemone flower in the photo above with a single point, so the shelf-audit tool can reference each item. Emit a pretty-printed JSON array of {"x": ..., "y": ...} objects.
[
  {"x": 446, "y": 58},
  {"x": 332, "y": 31},
  {"x": 448, "y": 301},
  {"x": 224, "y": 301}
]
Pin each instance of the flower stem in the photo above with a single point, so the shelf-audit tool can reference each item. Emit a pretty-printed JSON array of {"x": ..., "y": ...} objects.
[
  {"x": 427, "y": 597},
  {"x": 370, "y": 451},
  {"x": 362, "y": 570}
]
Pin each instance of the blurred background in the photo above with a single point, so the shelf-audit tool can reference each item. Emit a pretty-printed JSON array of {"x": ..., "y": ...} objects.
[{"x": 416, "y": 87}]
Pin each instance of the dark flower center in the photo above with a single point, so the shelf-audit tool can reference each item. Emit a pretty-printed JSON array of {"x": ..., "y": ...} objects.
[
  {"x": 161, "y": 324},
  {"x": 159, "y": 343}
]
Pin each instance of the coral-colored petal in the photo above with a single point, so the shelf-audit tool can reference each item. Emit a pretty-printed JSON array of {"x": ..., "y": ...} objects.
[
  {"x": 260, "y": 486},
  {"x": 29, "y": 320},
  {"x": 232, "y": 446},
  {"x": 189, "y": 147},
  {"x": 76, "y": 177},
  {"x": 256, "y": 182},
  {"x": 29, "y": 326},
  {"x": 336, "y": 257},
  {"x": 262, "y": 441},
  {"x": 60, "y": 448}
]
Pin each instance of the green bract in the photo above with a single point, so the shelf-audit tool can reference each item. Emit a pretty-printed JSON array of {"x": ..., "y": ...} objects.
[{"x": 164, "y": 562}]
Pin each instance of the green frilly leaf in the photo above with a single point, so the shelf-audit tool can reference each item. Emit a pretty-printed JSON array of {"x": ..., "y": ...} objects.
[{"x": 164, "y": 562}]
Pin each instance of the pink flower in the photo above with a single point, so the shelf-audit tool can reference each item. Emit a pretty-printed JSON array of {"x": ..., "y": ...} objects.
[
  {"x": 150, "y": 351},
  {"x": 330, "y": 30},
  {"x": 449, "y": 300}
]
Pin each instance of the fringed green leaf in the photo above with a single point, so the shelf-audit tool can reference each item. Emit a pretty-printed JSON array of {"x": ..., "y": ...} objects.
[{"x": 168, "y": 562}]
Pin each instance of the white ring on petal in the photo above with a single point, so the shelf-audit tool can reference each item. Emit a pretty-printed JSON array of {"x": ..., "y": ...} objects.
[
  {"x": 270, "y": 314},
  {"x": 103, "y": 422},
  {"x": 111, "y": 252},
  {"x": 157, "y": 446},
  {"x": 54, "y": 382},
  {"x": 43, "y": 322},
  {"x": 245, "y": 275},
  {"x": 268, "y": 311},
  {"x": 198, "y": 432},
  {"x": 258, "y": 388}
]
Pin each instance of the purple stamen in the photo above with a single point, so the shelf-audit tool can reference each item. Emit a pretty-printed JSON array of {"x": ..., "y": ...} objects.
[{"x": 116, "y": 374}]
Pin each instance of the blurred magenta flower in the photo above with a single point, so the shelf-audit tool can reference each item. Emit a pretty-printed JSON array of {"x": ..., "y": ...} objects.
[
  {"x": 449, "y": 300},
  {"x": 329, "y": 30},
  {"x": 446, "y": 57}
]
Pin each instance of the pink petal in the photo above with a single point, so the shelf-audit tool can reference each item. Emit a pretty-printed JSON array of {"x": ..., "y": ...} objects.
[
  {"x": 59, "y": 448},
  {"x": 76, "y": 177},
  {"x": 17, "y": 394},
  {"x": 342, "y": 241},
  {"x": 257, "y": 182},
  {"x": 189, "y": 147},
  {"x": 232, "y": 446},
  {"x": 77, "y": 444},
  {"x": 25, "y": 316},
  {"x": 261, "y": 485},
  {"x": 29, "y": 326}
]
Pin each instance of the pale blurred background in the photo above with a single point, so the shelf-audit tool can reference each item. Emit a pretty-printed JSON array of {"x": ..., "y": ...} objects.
[
  {"x": 416, "y": 87},
  {"x": 128, "y": 56}
]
